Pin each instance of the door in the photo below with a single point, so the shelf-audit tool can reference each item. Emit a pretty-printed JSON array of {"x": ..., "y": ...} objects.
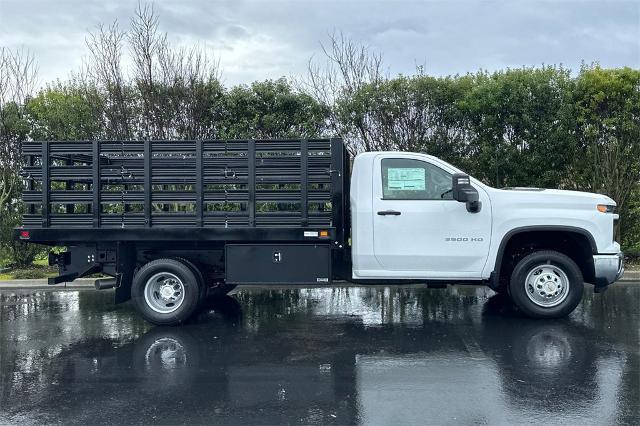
[{"x": 419, "y": 230}]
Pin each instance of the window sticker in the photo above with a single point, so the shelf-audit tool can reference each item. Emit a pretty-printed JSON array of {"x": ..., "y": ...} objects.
[{"x": 406, "y": 179}]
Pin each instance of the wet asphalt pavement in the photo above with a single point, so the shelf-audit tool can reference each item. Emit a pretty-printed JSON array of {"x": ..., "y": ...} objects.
[{"x": 345, "y": 355}]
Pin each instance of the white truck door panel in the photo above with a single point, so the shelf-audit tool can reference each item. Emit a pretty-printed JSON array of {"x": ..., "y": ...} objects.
[{"x": 418, "y": 228}]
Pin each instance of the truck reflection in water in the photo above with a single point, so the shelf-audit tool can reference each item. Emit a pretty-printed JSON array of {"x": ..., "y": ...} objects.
[{"x": 341, "y": 355}]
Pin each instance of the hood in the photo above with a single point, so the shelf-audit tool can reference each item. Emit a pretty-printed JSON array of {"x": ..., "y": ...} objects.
[{"x": 558, "y": 195}]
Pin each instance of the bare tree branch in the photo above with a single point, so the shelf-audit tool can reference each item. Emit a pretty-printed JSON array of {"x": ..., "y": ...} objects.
[
  {"x": 348, "y": 67},
  {"x": 18, "y": 71},
  {"x": 105, "y": 69}
]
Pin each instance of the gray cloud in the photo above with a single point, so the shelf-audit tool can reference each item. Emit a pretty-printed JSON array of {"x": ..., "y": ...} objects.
[{"x": 271, "y": 38}]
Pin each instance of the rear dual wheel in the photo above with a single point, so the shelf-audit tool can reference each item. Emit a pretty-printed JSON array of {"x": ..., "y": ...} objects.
[{"x": 167, "y": 291}]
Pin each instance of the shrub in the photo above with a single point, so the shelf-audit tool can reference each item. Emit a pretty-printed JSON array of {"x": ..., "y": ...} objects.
[{"x": 26, "y": 274}]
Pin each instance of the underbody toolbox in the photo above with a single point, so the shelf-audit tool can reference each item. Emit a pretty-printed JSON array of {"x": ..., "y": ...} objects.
[{"x": 278, "y": 264}]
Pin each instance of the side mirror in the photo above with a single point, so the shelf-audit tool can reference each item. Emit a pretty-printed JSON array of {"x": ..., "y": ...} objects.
[{"x": 464, "y": 192}]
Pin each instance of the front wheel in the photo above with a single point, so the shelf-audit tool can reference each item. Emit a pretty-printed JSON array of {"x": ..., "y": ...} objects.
[{"x": 546, "y": 284}]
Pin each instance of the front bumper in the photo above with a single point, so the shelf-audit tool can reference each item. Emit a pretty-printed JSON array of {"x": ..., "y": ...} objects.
[{"x": 609, "y": 268}]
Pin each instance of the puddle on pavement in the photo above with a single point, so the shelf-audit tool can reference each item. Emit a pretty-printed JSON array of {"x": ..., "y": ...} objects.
[{"x": 384, "y": 355}]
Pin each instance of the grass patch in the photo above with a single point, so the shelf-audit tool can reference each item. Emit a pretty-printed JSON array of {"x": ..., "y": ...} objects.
[
  {"x": 33, "y": 272},
  {"x": 41, "y": 262}
]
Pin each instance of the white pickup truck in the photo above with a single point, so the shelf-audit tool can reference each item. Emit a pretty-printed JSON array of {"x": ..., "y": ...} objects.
[
  {"x": 174, "y": 222},
  {"x": 416, "y": 216}
]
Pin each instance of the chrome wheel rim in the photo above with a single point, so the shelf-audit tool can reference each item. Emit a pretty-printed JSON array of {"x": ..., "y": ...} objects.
[
  {"x": 546, "y": 285},
  {"x": 164, "y": 292}
]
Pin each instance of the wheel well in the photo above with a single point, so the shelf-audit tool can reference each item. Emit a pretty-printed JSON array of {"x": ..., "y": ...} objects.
[
  {"x": 208, "y": 261},
  {"x": 573, "y": 244}
]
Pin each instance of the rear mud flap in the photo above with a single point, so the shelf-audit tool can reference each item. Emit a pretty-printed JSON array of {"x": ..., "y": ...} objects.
[{"x": 125, "y": 267}]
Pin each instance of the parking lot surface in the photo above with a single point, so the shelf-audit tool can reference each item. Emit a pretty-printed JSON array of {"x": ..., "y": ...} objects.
[{"x": 341, "y": 355}]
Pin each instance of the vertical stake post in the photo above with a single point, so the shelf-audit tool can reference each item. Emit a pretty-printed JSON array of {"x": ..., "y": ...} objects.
[
  {"x": 96, "y": 184},
  {"x": 46, "y": 184},
  {"x": 251, "y": 154},
  {"x": 337, "y": 188},
  {"x": 304, "y": 181},
  {"x": 199, "y": 185},
  {"x": 148, "y": 152}
]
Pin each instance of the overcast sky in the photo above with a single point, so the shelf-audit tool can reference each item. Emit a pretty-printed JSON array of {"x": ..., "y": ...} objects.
[{"x": 259, "y": 39}]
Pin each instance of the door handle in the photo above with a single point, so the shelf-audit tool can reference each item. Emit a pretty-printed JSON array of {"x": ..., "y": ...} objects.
[{"x": 389, "y": 213}]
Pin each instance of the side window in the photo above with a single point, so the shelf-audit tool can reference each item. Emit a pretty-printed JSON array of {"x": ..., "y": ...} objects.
[{"x": 409, "y": 179}]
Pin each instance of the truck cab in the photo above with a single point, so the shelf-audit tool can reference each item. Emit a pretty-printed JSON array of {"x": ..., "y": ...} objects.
[{"x": 415, "y": 216}]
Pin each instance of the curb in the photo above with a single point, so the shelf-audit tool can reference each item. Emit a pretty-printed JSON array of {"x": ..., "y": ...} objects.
[
  {"x": 40, "y": 284},
  {"x": 631, "y": 276}
]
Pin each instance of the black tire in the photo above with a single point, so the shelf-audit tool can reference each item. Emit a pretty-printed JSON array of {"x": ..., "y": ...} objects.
[
  {"x": 554, "y": 260},
  {"x": 196, "y": 271},
  {"x": 190, "y": 298}
]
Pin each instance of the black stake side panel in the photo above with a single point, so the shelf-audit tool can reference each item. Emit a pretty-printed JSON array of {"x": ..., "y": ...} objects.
[{"x": 166, "y": 186}]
